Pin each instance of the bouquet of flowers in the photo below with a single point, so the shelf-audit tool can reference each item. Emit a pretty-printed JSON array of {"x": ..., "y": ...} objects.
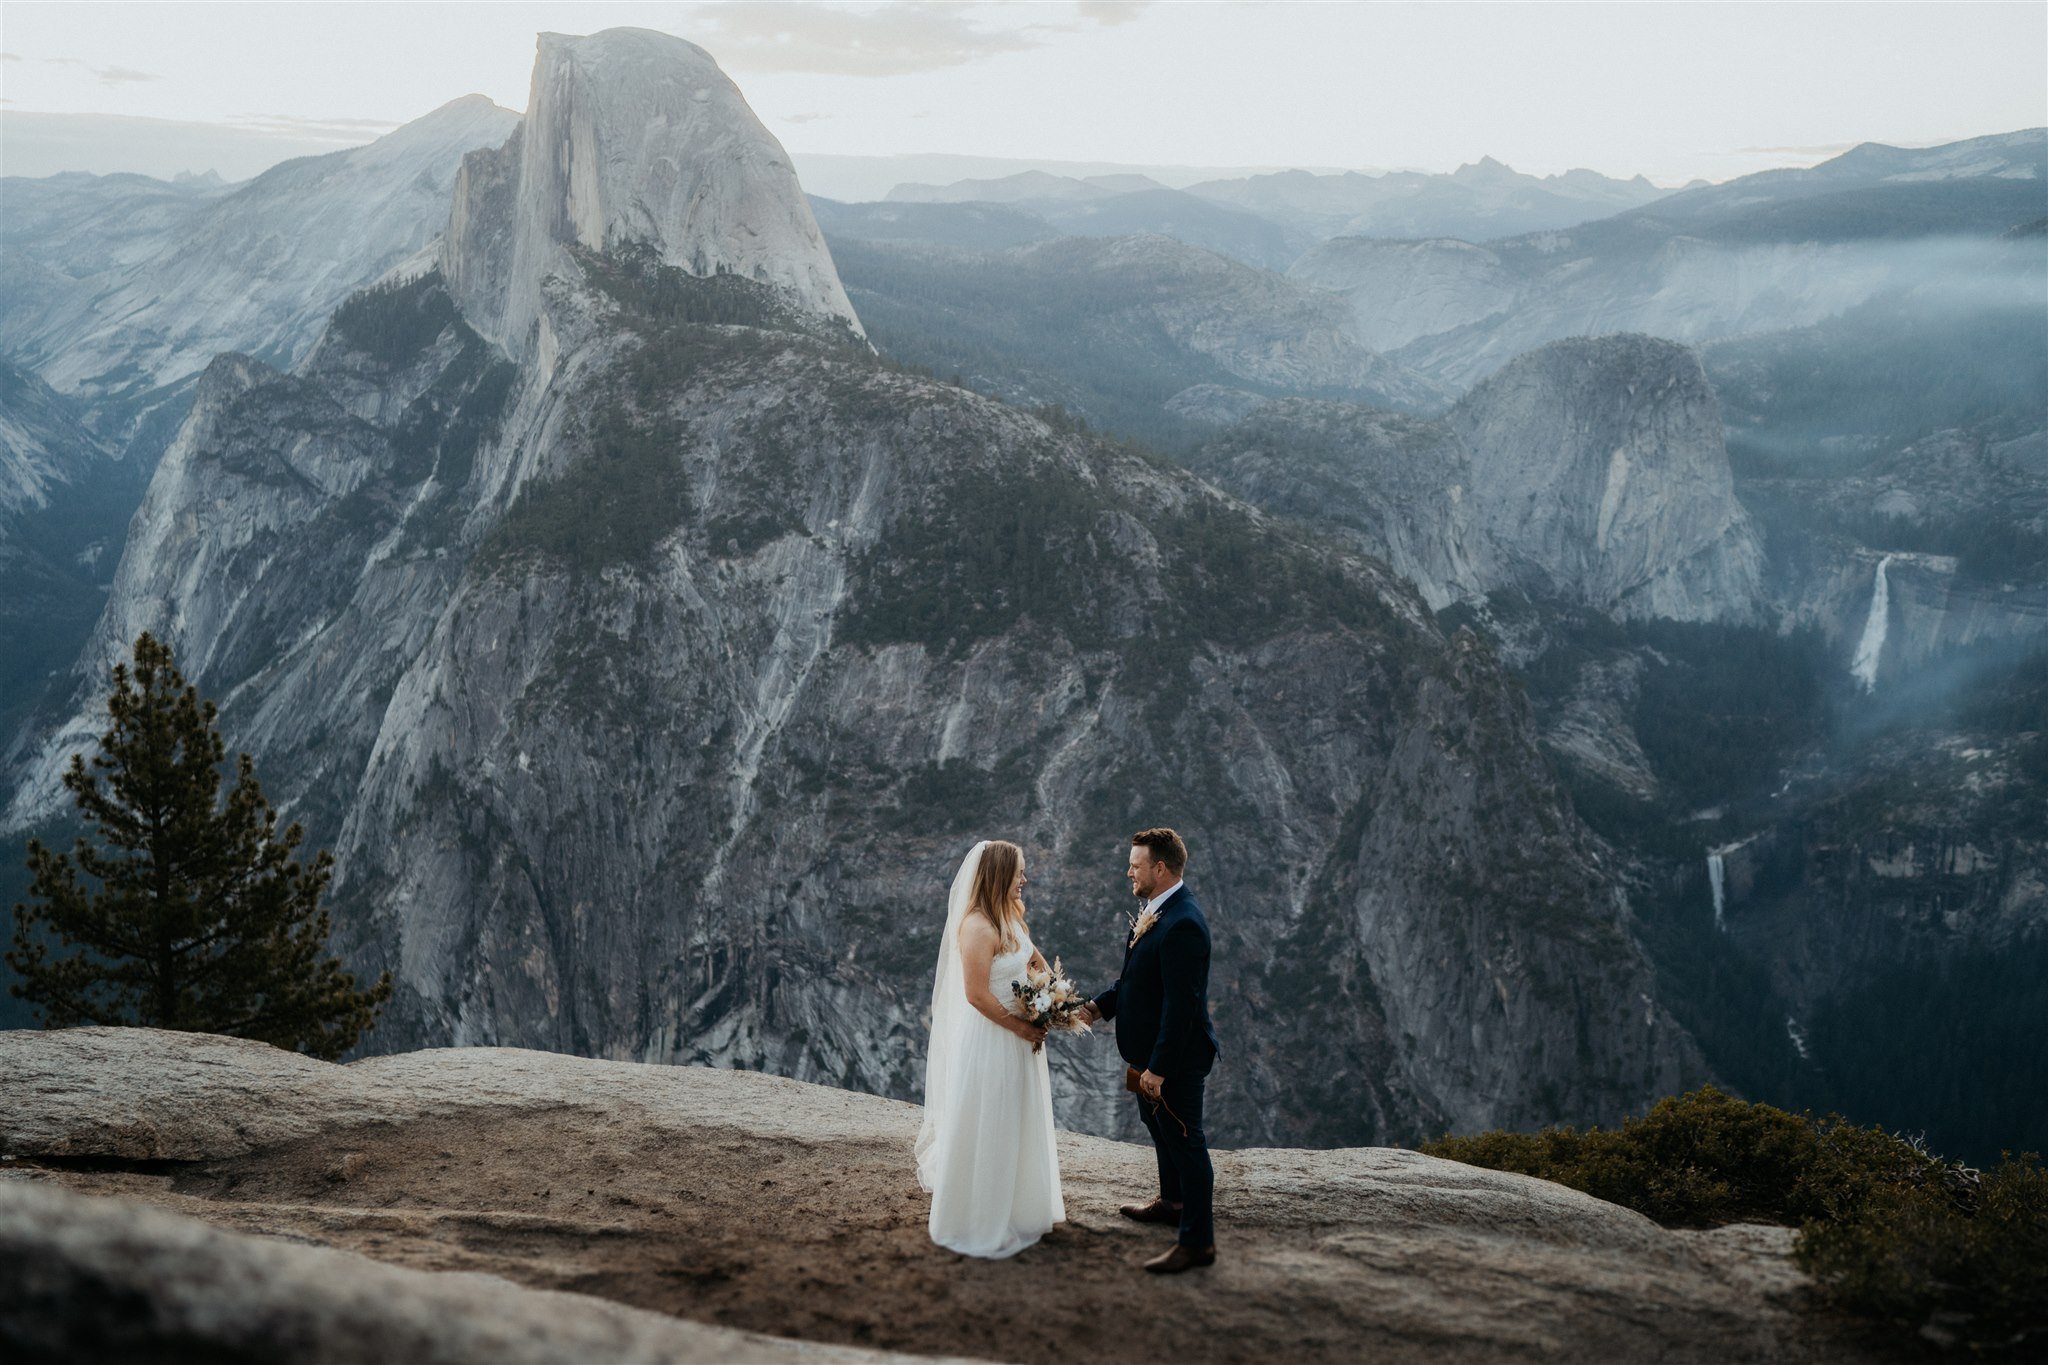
[{"x": 1048, "y": 998}]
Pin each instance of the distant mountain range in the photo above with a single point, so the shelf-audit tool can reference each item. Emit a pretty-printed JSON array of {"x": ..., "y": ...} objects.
[
  {"x": 120, "y": 286},
  {"x": 1269, "y": 219},
  {"x": 1765, "y": 252},
  {"x": 1482, "y": 200}
]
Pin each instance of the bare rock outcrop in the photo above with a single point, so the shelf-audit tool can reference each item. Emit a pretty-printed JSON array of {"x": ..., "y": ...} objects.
[
  {"x": 1591, "y": 470},
  {"x": 630, "y": 136},
  {"x": 87, "y": 1278},
  {"x": 760, "y": 1203},
  {"x": 1599, "y": 468},
  {"x": 1393, "y": 485}
]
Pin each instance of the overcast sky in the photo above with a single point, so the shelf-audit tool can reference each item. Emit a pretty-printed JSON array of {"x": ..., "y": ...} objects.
[{"x": 1670, "y": 90}]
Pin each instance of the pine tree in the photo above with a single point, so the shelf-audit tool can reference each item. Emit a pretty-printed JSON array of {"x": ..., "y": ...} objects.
[{"x": 203, "y": 921}]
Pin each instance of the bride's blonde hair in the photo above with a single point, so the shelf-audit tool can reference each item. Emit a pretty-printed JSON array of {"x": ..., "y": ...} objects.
[{"x": 995, "y": 890}]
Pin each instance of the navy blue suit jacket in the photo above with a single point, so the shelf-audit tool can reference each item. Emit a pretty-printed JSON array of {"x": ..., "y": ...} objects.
[{"x": 1160, "y": 1001}]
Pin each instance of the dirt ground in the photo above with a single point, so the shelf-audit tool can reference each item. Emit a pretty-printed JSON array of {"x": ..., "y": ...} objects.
[{"x": 826, "y": 1241}]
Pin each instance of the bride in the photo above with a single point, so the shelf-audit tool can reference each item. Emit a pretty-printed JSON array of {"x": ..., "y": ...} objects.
[{"x": 986, "y": 1150}]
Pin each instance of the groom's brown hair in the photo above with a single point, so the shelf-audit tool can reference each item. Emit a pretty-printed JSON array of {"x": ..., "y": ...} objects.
[{"x": 1165, "y": 846}]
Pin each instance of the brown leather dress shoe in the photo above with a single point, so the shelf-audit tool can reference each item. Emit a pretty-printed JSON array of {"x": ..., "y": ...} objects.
[
  {"x": 1158, "y": 1211},
  {"x": 1181, "y": 1258}
]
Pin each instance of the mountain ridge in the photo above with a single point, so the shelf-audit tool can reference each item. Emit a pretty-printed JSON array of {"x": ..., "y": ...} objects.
[{"x": 215, "y": 281}]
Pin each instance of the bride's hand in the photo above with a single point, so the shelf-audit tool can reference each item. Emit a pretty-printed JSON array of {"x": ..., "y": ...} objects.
[{"x": 1032, "y": 1034}]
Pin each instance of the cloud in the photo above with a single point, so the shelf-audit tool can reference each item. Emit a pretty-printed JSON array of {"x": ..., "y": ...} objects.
[
  {"x": 350, "y": 130},
  {"x": 803, "y": 118},
  {"x": 892, "y": 41},
  {"x": 1110, "y": 13},
  {"x": 889, "y": 40},
  {"x": 1815, "y": 149},
  {"x": 108, "y": 75}
]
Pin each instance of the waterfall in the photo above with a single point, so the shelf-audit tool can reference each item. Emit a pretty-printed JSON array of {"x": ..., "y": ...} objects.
[
  {"x": 1798, "y": 1037},
  {"x": 1717, "y": 878},
  {"x": 1872, "y": 644}
]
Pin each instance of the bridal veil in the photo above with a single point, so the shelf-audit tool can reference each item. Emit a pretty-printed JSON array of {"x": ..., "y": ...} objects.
[{"x": 949, "y": 1003}]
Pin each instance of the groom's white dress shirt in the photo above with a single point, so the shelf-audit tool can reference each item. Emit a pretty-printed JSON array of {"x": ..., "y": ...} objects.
[{"x": 1152, "y": 906}]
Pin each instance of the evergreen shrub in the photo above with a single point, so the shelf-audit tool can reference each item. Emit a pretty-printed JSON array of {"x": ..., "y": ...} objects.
[{"x": 1889, "y": 1230}]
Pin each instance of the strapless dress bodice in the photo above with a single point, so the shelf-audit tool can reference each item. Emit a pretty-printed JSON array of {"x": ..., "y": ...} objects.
[{"x": 1009, "y": 967}]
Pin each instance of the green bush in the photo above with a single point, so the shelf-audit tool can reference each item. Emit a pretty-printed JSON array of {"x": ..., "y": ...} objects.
[
  {"x": 982, "y": 552},
  {"x": 1723, "y": 708},
  {"x": 666, "y": 297},
  {"x": 1705, "y": 1158},
  {"x": 620, "y": 495},
  {"x": 395, "y": 321},
  {"x": 1888, "y": 1229},
  {"x": 1956, "y": 1258}
]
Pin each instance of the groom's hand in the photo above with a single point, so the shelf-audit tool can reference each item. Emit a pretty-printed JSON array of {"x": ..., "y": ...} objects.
[
  {"x": 1150, "y": 1084},
  {"x": 1090, "y": 1013}
]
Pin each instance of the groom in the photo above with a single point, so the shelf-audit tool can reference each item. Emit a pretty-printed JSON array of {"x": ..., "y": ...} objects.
[{"x": 1161, "y": 1006}]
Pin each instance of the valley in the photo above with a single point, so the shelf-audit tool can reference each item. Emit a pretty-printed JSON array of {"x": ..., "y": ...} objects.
[{"x": 1590, "y": 634}]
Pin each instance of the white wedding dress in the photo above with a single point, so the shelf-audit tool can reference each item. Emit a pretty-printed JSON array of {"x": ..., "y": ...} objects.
[{"x": 986, "y": 1150}]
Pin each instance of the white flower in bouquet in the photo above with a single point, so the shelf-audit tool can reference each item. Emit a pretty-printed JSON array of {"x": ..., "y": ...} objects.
[{"x": 1047, "y": 997}]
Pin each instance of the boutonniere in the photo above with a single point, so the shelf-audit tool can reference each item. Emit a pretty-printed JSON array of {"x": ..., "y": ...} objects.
[{"x": 1140, "y": 925}]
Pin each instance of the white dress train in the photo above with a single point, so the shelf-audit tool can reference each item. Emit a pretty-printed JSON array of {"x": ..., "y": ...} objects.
[{"x": 987, "y": 1151}]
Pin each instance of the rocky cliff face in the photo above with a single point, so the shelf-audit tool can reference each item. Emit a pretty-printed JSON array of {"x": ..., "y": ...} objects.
[
  {"x": 1395, "y": 486},
  {"x": 1598, "y": 468},
  {"x": 1976, "y": 499},
  {"x": 63, "y": 489},
  {"x": 630, "y": 136},
  {"x": 214, "y": 551},
  {"x": 1924, "y": 615},
  {"x": 650, "y": 691},
  {"x": 1591, "y": 471},
  {"x": 43, "y": 448},
  {"x": 1922, "y": 846}
]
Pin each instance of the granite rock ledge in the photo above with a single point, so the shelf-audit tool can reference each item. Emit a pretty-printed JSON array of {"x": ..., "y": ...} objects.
[{"x": 758, "y": 1203}]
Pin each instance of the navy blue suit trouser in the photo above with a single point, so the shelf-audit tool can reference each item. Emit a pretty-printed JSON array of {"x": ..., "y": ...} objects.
[{"x": 1185, "y": 1176}]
